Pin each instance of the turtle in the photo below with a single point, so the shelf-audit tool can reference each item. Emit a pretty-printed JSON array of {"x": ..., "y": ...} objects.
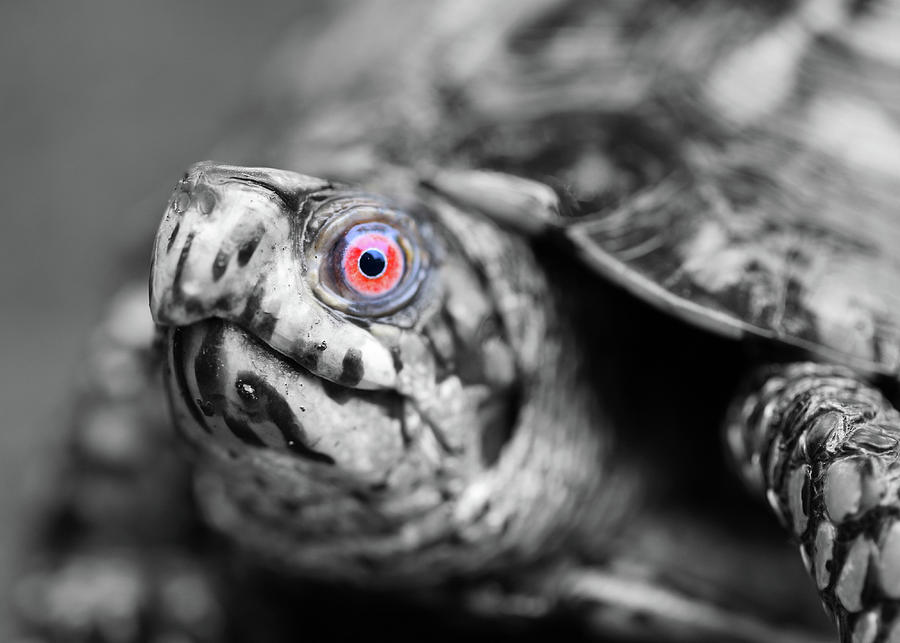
[{"x": 462, "y": 364}]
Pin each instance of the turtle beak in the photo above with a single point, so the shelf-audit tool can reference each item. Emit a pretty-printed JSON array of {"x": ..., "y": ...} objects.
[
  {"x": 229, "y": 248},
  {"x": 224, "y": 227}
]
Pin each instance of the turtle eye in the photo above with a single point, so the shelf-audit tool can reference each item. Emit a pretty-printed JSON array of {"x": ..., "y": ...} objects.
[
  {"x": 365, "y": 257},
  {"x": 371, "y": 258}
]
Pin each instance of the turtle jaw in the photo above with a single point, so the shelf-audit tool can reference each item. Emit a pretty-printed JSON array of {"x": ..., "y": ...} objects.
[
  {"x": 230, "y": 391},
  {"x": 324, "y": 481}
]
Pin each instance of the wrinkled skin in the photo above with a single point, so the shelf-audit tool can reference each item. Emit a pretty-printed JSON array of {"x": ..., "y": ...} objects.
[{"x": 498, "y": 435}]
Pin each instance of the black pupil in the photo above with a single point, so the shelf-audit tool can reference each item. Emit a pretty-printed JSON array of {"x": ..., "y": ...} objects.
[{"x": 372, "y": 263}]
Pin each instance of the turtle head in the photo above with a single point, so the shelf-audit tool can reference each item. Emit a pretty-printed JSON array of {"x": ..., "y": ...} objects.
[
  {"x": 348, "y": 366},
  {"x": 290, "y": 259}
]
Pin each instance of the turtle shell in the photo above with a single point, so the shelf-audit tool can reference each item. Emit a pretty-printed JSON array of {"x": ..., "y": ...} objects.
[
  {"x": 753, "y": 193},
  {"x": 790, "y": 243}
]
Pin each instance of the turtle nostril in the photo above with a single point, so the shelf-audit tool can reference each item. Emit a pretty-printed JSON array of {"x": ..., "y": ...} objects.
[
  {"x": 201, "y": 196},
  {"x": 182, "y": 200},
  {"x": 205, "y": 198},
  {"x": 248, "y": 247}
]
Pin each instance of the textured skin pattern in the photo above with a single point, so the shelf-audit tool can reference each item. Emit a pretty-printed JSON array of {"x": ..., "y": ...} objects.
[{"x": 824, "y": 447}]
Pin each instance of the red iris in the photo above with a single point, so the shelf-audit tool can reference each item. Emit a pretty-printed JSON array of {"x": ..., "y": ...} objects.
[{"x": 372, "y": 262}]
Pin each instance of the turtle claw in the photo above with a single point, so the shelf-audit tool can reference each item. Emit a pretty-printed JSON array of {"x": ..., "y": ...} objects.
[{"x": 825, "y": 449}]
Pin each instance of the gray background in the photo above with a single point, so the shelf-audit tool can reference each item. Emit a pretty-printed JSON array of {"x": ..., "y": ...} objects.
[{"x": 102, "y": 105}]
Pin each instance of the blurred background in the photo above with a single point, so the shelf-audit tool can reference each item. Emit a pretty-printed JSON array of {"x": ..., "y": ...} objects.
[{"x": 103, "y": 103}]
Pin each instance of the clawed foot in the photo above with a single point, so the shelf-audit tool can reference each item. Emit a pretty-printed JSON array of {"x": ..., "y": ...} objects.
[{"x": 824, "y": 446}]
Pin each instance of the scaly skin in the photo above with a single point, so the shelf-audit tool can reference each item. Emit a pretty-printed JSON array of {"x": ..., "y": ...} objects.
[{"x": 823, "y": 446}]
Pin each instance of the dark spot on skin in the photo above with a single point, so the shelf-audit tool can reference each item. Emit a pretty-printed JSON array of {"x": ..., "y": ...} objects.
[
  {"x": 321, "y": 346},
  {"x": 266, "y": 326},
  {"x": 225, "y": 302},
  {"x": 220, "y": 264},
  {"x": 262, "y": 323},
  {"x": 338, "y": 394},
  {"x": 205, "y": 198},
  {"x": 289, "y": 505},
  {"x": 245, "y": 252},
  {"x": 361, "y": 496},
  {"x": 352, "y": 369},
  {"x": 207, "y": 369},
  {"x": 172, "y": 237},
  {"x": 500, "y": 414},
  {"x": 194, "y": 306},
  {"x": 179, "y": 267},
  {"x": 246, "y": 392},
  {"x": 243, "y": 432},
  {"x": 205, "y": 407},
  {"x": 178, "y": 369},
  {"x": 395, "y": 356},
  {"x": 306, "y": 354},
  {"x": 277, "y": 409}
]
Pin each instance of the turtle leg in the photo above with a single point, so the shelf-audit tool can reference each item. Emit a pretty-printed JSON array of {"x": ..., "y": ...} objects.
[
  {"x": 824, "y": 447},
  {"x": 112, "y": 555}
]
